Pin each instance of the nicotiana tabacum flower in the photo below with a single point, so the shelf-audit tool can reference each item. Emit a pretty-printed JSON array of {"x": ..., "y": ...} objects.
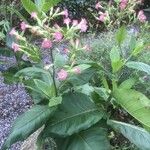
[
  {"x": 62, "y": 75},
  {"x": 141, "y": 16}
]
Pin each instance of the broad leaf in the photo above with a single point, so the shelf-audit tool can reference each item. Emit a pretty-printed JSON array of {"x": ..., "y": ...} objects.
[
  {"x": 127, "y": 84},
  {"x": 91, "y": 139},
  {"x": 44, "y": 87},
  {"x": 116, "y": 61},
  {"x": 49, "y": 3},
  {"x": 77, "y": 112},
  {"x": 31, "y": 72},
  {"x": 139, "y": 66},
  {"x": 29, "y": 6},
  {"x": 83, "y": 77},
  {"x": 135, "y": 103},
  {"x": 121, "y": 35},
  {"x": 139, "y": 136},
  {"x": 27, "y": 123}
]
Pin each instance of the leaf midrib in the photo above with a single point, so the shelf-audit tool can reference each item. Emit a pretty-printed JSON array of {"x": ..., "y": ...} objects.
[{"x": 70, "y": 117}]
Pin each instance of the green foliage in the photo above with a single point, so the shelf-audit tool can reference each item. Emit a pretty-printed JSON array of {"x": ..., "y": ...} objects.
[
  {"x": 27, "y": 123},
  {"x": 70, "y": 118},
  {"x": 139, "y": 136}
]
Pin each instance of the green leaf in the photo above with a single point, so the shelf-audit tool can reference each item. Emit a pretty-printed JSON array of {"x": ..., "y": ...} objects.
[
  {"x": 139, "y": 136},
  {"x": 91, "y": 139},
  {"x": 77, "y": 112},
  {"x": 102, "y": 92},
  {"x": 135, "y": 103},
  {"x": 132, "y": 43},
  {"x": 29, "y": 6},
  {"x": 55, "y": 101},
  {"x": 31, "y": 72},
  {"x": 47, "y": 89},
  {"x": 49, "y": 3},
  {"x": 27, "y": 123},
  {"x": 127, "y": 84},
  {"x": 139, "y": 66},
  {"x": 83, "y": 77},
  {"x": 138, "y": 48},
  {"x": 59, "y": 61},
  {"x": 116, "y": 61},
  {"x": 121, "y": 35}
]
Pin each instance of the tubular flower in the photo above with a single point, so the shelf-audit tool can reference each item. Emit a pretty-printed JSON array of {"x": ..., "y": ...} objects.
[
  {"x": 102, "y": 17},
  {"x": 77, "y": 70},
  {"x": 34, "y": 15},
  {"x": 67, "y": 21},
  {"x": 23, "y": 26},
  {"x": 12, "y": 32},
  {"x": 83, "y": 25},
  {"x": 62, "y": 75},
  {"x": 98, "y": 5},
  {"x": 15, "y": 47},
  {"x": 46, "y": 44},
  {"x": 141, "y": 16},
  {"x": 123, "y": 4},
  {"x": 58, "y": 36}
]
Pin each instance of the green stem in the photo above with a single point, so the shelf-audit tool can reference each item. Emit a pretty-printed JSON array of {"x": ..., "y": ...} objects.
[{"x": 53, "y": 73}]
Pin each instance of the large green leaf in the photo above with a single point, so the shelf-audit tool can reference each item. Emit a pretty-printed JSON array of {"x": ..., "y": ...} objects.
[
  {"x": 139, "y": 66},
  {"x": 135, "y": 103},
  {"x": 83, "y": 77},
  {"x": 29, "y": 6},
  {"x": 27, "y": 123},
  {"x": 121, "y": 35},
  {"x": 77, "y": 112},
  {"x": 139, "y": 136},
  {"x": 31, "y": 72},
  {"x": 92, "y": 139}
]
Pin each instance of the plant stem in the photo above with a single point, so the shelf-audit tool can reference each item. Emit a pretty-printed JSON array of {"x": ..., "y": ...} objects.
[{"x": 53, "y": 73}]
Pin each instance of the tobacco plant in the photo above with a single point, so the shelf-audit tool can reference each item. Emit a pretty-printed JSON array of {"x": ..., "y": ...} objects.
[{"x": 74, "y": 100}]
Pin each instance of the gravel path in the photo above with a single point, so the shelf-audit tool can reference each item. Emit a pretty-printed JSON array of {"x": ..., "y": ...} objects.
[{"x": 13, "y": 102}]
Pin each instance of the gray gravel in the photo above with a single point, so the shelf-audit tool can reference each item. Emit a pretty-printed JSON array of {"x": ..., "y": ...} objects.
[{"x": 13, "y": 101}]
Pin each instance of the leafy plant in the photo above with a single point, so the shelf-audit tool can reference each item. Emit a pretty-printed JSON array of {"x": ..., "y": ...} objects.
[{"x": 76, "y": 99}]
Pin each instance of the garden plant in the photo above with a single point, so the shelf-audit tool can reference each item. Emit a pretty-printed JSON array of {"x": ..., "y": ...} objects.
[{"x": 75, "y": 99}]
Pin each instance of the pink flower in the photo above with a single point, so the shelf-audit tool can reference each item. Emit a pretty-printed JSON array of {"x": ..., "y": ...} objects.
[
  {"x": 77, "y": 70},
  {"x": 15, "y": 47},
  {"x": 75, "y": 22},
  {"x": 34, "y": 15},
  {"x": 83, "y": 25},
  {"x": 58, "y": 36},
  {"x": 62, "y": 75},
  {"x": 23, "y": 26},
  {"x": 102, "y": 17},
  {"x": 98, "y": 5},
  {"x": 46, "y": 44},
  {"x": 13, "y": 31},
  {"x": 123, "y": 4},
  {"x": 67, "y": 21},
  {"x": 141, "y": 16},
  {"x": 65, "y": 13}
]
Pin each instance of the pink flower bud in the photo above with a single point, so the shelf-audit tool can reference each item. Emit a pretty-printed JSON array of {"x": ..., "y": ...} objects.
[
  {"x": 66, "y": 50},
  {"x": 65, "y": 13},
  {"x": 58, "y": 36},
  {"x": 12, "y": 32},
  {"x": 62, "y": 75},
  {"x": 67, "y": 21},
  {"x": 98, "y": 5},
  {"x": 23, "y": 26},
  {"x": 15, "y": 47},
  {"x": 102, "y": 17},
  {"x": 34, "y": 15},
  {"x": 123, "y": 4},
  {"x": 77, "y": 70},
  {"x": 141, "y": 16},
  {"x": 46, "y": 44},
  {"x": 83, "y": 25}
]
